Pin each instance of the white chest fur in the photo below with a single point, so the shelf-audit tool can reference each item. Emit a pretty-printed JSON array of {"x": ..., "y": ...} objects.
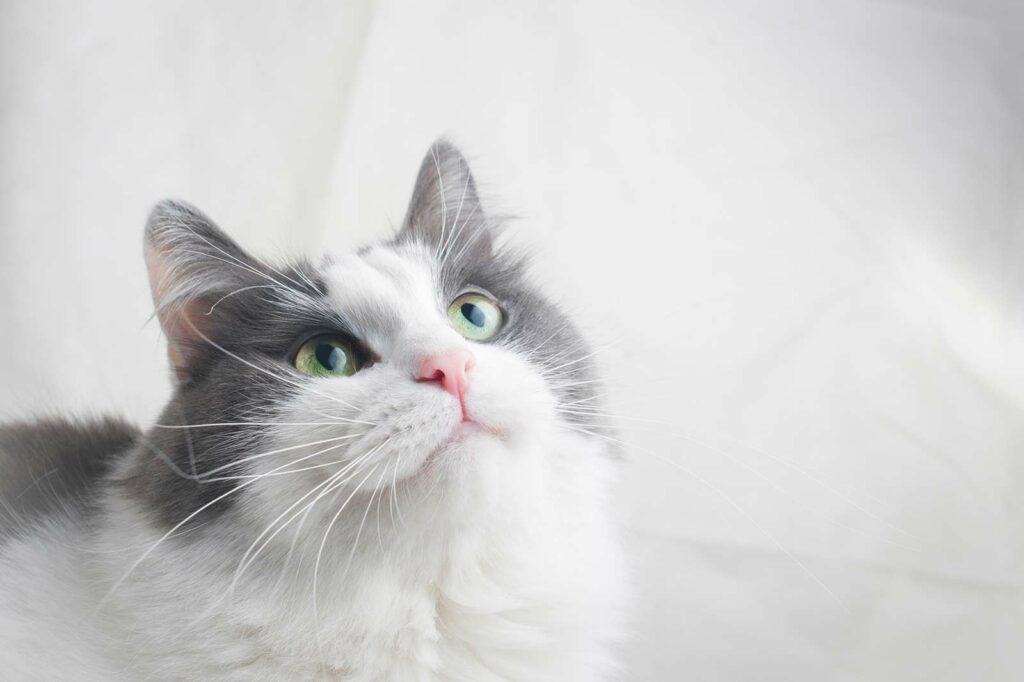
[{"x": 525, "y": 593}]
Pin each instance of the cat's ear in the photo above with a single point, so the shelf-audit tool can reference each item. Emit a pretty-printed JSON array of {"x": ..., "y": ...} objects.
[
  {"x": 445, "y": 210},
  {"x": 192, "y": 264}
]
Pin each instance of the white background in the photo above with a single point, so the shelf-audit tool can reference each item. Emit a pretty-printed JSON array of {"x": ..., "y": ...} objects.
[{"x": 794, "y": 229}]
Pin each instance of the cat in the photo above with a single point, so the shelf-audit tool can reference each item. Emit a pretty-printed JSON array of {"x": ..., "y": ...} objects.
[{"x": 370, "y": 469}]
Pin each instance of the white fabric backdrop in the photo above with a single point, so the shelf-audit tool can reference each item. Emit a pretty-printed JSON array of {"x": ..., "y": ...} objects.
[{"x": 795, "y": 229}]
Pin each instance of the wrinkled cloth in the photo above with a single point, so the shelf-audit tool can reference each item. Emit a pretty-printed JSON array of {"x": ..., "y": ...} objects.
[{"x": 794, "y": 232}]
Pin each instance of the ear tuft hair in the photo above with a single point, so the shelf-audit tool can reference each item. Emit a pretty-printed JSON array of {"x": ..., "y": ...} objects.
[
  {"x": 191, "y": 263},
  {"x": 445, "y": 210}
]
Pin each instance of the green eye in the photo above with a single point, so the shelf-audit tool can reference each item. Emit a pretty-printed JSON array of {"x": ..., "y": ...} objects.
[
  {"x": 475, "y": 316},
  {"x": 327, "y": 356}
]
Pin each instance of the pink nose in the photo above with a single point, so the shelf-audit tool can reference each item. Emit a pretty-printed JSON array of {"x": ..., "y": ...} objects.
[{"x": 448, "y": 369}]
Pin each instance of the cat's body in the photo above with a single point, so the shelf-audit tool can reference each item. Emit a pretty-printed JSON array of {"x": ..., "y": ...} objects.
[{"x": 438, "y": 511}]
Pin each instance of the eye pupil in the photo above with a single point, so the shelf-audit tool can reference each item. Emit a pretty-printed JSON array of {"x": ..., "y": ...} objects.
[
  {"x": 474, "y": 314},
  {"x": 329, "y": 356}
]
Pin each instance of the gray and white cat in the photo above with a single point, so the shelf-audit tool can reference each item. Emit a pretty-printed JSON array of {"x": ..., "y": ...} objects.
[{"x": 370, "y": 469}]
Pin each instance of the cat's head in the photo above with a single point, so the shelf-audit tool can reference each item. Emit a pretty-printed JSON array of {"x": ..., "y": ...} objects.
[{"x": 427, "y": 363}]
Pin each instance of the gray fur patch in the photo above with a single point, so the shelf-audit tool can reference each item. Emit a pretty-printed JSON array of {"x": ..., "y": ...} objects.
[{"x": 54, "y": 466}]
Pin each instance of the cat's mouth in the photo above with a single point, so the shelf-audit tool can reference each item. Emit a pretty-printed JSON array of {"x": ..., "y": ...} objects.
[{"x": 463, "y": 432}]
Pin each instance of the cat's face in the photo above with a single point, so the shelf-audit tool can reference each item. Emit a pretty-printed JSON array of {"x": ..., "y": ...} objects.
[{"x": 427, "y": 364}]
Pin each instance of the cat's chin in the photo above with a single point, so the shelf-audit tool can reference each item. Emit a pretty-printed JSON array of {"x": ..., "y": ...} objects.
[{"x": 467, "y": 439}]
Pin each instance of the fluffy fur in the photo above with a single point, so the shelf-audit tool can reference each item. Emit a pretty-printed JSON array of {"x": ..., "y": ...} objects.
[{"x": 276, "y": 526}]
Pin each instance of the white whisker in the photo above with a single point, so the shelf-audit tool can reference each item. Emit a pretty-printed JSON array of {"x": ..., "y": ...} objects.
[
  {"x": 188, "y": 518},
  {"x": 319, "y": 555},
  {"x": 327, "y": 485}
]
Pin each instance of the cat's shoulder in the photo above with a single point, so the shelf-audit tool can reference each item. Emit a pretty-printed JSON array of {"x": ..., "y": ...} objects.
[{"x": 52, "y": 464}]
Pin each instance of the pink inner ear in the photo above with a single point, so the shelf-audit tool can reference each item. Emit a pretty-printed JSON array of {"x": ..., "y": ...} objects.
[
  {"x": 185, "y": 327},
  {"x": 184, "y": 324}
]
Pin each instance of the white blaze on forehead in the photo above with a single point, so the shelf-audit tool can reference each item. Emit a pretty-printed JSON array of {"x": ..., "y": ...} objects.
[{"x": 390, "y": 299}]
